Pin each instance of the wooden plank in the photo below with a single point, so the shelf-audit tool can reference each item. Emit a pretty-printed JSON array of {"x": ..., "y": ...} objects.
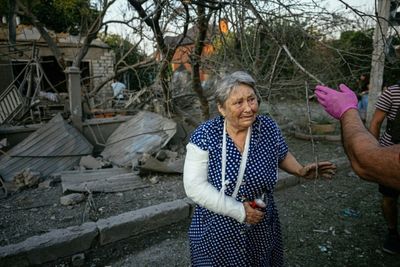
[
  {"x": 91, "y": 175},
  {"x": 108, "y": 184}
]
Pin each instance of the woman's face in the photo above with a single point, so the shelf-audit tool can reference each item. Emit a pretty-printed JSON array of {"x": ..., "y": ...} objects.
[{"x": 241, "y": 107}]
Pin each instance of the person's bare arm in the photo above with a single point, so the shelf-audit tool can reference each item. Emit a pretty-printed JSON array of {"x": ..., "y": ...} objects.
[
  {"x": 291, "y": 165},
  {"x": 324, "y": 168},
  {"x": 368, "y": 159},
  {"x": 376, "y": 122}
]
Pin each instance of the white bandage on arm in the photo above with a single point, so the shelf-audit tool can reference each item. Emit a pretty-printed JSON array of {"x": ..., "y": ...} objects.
[{"x": 202, "y": 192}]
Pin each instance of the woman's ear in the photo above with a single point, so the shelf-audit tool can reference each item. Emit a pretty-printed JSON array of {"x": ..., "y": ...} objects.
[{"x": 221, "y": 110}]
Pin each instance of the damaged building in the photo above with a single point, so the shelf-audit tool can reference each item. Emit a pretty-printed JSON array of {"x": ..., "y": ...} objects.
[
  {"x": 43, "y": 122},
  {"x": 31, "y": 75}
]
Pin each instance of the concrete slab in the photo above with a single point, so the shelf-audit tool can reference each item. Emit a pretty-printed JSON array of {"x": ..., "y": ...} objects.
[
  {"x": 138, "y": 221},
  {"x": 49, "y": 246}
]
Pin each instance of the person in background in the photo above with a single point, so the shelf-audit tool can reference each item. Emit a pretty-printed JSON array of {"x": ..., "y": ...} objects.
[
  {"x": 230, "y": 172},
  {"x": 118, "y": 89},
  {"x": 363, "y": 102},
  {"x": 388, "y": 106},
  {"x": 368, "y": 158}
]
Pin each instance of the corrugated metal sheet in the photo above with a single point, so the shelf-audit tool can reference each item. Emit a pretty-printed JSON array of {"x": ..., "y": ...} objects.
[
  {"x": 11, "y": 103},
  {"x": 146, "y": 132},
  {"x": 55, "y": 147}
]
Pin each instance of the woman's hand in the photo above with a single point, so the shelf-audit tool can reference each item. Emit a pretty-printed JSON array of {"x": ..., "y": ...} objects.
[
  {"x": 325, "y": 169},
  {"x": 253, "y": 216}
]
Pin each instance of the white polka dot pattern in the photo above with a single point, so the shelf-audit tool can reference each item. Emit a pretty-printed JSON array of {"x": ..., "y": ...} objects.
[{"x": 217, "y": 240}]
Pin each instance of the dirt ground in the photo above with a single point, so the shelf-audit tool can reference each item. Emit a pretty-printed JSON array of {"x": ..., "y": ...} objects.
[{"x": 325, "y": 223}]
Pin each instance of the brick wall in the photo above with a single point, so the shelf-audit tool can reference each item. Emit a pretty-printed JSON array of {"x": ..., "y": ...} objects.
[{"x": 102, "y": 68}]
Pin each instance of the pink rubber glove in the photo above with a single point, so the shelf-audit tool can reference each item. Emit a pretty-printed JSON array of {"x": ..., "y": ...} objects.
[{"x": 334, "y": 102}]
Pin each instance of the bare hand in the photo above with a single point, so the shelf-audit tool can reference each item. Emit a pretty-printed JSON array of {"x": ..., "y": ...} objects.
[
  {"x": 253, "y": 216},
  {"x": 325, "y": 169}
]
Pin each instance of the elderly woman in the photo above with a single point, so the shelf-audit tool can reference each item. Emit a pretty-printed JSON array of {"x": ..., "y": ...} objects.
[{"x": 231, "y": 161}]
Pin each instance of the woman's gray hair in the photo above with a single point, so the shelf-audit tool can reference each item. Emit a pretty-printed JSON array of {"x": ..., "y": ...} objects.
[{"x": 229, "y": 82}]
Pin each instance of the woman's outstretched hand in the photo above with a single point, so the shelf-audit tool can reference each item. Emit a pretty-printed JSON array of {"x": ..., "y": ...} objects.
[{"x": 325, "y": 169}]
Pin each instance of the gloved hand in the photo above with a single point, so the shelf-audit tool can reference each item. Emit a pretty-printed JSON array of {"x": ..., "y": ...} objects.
[{"x": 334, "y": 102}]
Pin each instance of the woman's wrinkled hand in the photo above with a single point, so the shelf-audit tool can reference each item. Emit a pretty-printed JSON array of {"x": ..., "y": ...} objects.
[
  {"x": 325, "y": 169},
  {"x": 253, "y": 216}
]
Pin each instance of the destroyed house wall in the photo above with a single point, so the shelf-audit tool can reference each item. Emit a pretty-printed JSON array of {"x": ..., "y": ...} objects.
[
  {"x": 98, "y": 64},
  {"x": 103, "y": 67},
  {"x": 96, "y": 68}
]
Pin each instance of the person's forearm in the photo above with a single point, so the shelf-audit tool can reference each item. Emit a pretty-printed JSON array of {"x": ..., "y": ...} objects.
[
  {"x": 376, "y": 123},
  {"x": 368, "y": 159},
  {"x": 375, "y": 130},
  {"x": 202, "y": 192},
  {"x": 291, "y": 165}
]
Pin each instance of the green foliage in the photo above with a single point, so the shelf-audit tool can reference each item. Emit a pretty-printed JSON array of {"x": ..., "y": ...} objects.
[
  {"x": 120, "y": 47},
  {"x": 72, "y": 16},
  {"x": 256, "y": 49},
  {"x": 356, "y": 50},
  {"x": 3, "y": 7},
  {"x": 138, "y": 78}
]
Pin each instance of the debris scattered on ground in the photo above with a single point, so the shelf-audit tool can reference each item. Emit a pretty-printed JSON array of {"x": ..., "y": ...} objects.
[
  {"x": 89, "y": 162},
  {"x": 72, "y": 199},
  {"x": 26, "y": 178},
  {"x": 147, "y": 163},
  {"x": 102, "y": 180},
  {"x": 349, "y": 212}
]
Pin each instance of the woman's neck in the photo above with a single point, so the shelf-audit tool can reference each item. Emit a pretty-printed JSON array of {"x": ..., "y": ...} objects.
[
  {"x": 235, "y": 131},
  {"x": 238, "y": 136}
]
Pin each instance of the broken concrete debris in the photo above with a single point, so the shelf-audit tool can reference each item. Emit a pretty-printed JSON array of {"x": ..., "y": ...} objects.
[
  {"x": 26, "y": 178},
  {"x": 166, "y": 154},
  {"x": 147, "y": 163},
  {"x": 78, "y": 260},
  {"x": 72, "y": 199},
  {"x": 90, "y": 163}
]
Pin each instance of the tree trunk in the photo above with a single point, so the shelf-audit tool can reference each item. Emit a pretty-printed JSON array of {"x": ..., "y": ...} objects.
[
  {"x": 202, "y": 26},
  {"x": 153, "y": 21},
  {"x": 378, "y": 57}
]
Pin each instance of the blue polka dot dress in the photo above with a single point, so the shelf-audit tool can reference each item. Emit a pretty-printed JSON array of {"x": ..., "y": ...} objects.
[{"x": 217, "y": 240}]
